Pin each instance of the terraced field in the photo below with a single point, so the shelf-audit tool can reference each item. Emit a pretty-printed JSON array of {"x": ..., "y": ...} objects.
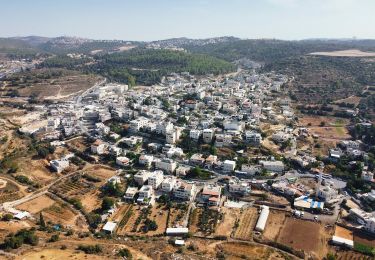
[{"x": 246, "y": 224}]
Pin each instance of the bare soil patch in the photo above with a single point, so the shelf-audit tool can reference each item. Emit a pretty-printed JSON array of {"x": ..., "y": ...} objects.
[
  {"x": 91, "y": 201},
  {"x": 58, "y": 254},
  {"x": 343, "y": 232},
  {"x": 303, "y": 235},
  {"x": 225, "y": 227},
  {"x": 239, "y": 250},
  {"x": 275, "y": 222},
  {"x": 37, "y": 205},
  {"x": 345, "y": 53}
]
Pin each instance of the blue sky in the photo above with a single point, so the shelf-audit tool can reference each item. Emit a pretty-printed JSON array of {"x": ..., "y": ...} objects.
[{"x": 161, "y": 19}]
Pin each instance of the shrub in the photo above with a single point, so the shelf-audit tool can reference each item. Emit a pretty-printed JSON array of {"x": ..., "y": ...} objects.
[
  {"x": 124, "y": 252},
  {"x": 7, "y": 217},
  {"x": 90, "y": 249},
  {"x": 23, "y": 236},
  {"x": 54, "y": 238}
]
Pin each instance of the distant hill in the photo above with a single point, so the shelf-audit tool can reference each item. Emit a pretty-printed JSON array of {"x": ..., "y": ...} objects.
[{"x": 33, "y": 40}]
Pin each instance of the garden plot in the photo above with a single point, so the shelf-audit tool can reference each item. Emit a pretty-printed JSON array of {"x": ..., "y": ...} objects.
[
  {"x": 177, "y": 215},
  {"x": 141, "y": 221},
  {"x": 225, "y": 227},
  {"x": 203, "y": 221},
  {"x": 246, "y": 223}
]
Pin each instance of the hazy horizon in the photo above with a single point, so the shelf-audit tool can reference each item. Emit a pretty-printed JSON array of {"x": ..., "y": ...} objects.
[{"x": 146, "y": 20}]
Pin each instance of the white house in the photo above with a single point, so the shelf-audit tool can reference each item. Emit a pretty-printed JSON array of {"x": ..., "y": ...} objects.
[
  {"x": 250, "y": 169},
  {"x": 274, "y": 166},
  {"x": 137, "y": 124},
  {"x": 233, "y": 125},
  {"x": 145, "y": 194},
  {"x": 59, "y": 165},
  {"x": 109, "y": 227},
  {"x": 223, "y": 140},
  {"x": 141, "y": 177},
  {"x": 229, "y": 166},
  {"x": 195, "y": 134},
  {"x": 327, "y": 193},
  {"x": 122, "y": 161},
  {"x": 182, "y": 171},
  {"x": 253, "y": 137},
  {"x": 98, "y": 147},
  {"x": 239, "y": 188},
  {"x": 208, "y": 135},
  {"x": 155, "y": 179},
  {"x": 370, "y": 224},
  {"x": 146, "y": 160},
  {"x": 164, "y": 127},
  {"x": 166, "y": 164},
  {"x": 184, "y": 191},
  {"x": 168, "y": 183},
  {"x": 130, "y": 193},
  {"x": 102, "y": 129}
]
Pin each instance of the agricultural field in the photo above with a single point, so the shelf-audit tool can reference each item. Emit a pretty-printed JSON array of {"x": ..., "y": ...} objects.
[
  {"x": 141, "y": 221},
  {"x": 51, "y": 84},
  {"x": 235, "y": 250},
  {"x": 351, "y": 255},
  {"x": 226, "y": 225},
  {"x": 79, "y": 143},
  {"x": 246, "y": 223},
  {"x": 275, "y": 222},
  {"x": 75, "y": 186},
  {"x": 304, "y": 235},
  {"x": 9, "y": 190},
  {"x": 36, "y": 170},
  {"x": 122, "y": 217},
  {"x": 203, "y": 221},
  {"x": 100, "y": 171},
  {"x": 177, "y": 215},
  {"x": 326, "y": 127},
  {"x": 345, "y": 53},
  {"x": 61, "y": 213},
  {"x": 37, "y": 205},
  {"x": 364, "y": 239}
]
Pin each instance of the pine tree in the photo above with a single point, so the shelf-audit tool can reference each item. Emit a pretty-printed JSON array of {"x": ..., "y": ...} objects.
[{"x": 42, "y": 223}]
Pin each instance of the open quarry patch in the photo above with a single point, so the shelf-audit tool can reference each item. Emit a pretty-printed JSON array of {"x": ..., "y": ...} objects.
[{"x": 344, "y": 53}]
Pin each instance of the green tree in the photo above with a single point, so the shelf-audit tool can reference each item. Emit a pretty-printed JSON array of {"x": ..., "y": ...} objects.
[
  {"x": 42, "y": 223},
  {"x": 107, "y": 203},
  {"x": 124, "y": 252}
]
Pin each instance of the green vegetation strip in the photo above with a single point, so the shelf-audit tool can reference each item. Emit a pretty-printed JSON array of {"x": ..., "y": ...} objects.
[{"x": 365, "y": 249}]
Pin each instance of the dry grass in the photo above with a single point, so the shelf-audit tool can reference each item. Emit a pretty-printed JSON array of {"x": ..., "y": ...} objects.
[
  {"x": 275, "y": 222},
  {"x": 240, "y": 250},
  {"x": 225, "y": 227},
  {"x": 246, "y": 224},
  {"x": 58, "y": 254},
  {"x": 37, "y": 205}
]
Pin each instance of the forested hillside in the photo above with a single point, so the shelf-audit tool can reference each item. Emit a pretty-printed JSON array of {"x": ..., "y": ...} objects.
[
  {"x": 275, "y": 50},
  {"x": 145, "y": 66}
]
